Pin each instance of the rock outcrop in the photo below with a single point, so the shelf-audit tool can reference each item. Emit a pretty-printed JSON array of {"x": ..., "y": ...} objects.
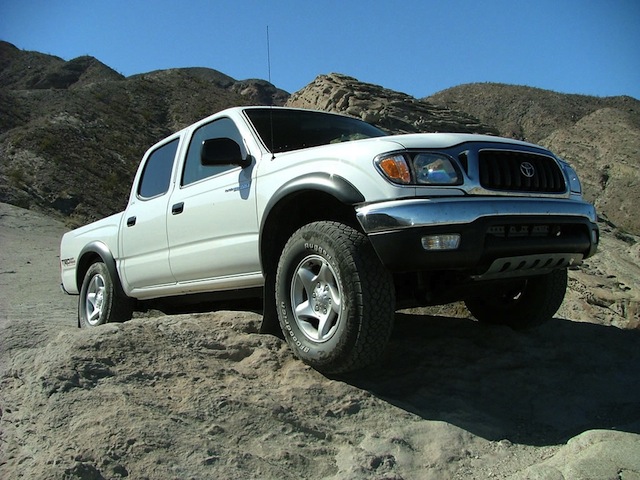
[{"x": 393, "y": 111}]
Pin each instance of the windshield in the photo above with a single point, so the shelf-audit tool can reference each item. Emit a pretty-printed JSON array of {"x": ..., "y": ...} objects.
[{"x": 283, "y": 130}]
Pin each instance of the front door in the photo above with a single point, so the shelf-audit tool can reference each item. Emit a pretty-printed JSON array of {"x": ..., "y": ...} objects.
[{"x": 212, "y": 225}]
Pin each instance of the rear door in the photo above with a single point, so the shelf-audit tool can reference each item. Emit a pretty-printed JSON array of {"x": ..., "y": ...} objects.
[
  {"x": 144, "y": 245},
  {"x": 212, "y": 224}
]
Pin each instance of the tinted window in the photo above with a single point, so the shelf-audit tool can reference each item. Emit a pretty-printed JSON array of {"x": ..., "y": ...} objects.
[
  {"x": 157, "y": 171},
  {"x": 193, "y": 168},
  {"x": 282, "y": 130}
]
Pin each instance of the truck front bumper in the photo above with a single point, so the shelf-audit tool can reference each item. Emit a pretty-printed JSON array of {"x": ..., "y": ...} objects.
[{"x": 491, "y": 231}]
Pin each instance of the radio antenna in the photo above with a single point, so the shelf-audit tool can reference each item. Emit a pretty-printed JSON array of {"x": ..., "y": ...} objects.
[
  {"x": 273, "y": 155},
  {"x": 268, "y": 54}
]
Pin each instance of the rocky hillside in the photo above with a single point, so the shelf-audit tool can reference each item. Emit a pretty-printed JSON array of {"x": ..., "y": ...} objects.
[
  {"x": 600, "y": 136},
  {"x": 526, "y": 113},
  {"x": 72, "y": 132}
]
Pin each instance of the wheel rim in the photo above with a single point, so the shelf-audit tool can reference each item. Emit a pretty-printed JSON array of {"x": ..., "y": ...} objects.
[
  {"x": 94, "y": 300},
  {"x": 316, "y": 298}
]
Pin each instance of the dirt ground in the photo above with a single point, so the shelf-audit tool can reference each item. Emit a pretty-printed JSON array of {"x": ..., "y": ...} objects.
[{"x": 205, "y": 396}]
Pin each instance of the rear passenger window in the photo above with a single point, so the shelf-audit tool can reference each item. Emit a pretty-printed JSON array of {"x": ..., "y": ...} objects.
[{"x": 156, "y": 175}]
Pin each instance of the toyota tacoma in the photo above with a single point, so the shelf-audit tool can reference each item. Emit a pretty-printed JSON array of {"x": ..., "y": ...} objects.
[{"x": 336, "y": 224}]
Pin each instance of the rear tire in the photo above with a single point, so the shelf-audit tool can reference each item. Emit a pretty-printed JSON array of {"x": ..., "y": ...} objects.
[
  {"x": 99, "y": 301},
  {"x": 335, "y": 299},
  {"x": 521, "y": 303}
]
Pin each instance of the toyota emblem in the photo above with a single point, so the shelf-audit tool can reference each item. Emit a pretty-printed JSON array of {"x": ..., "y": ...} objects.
[{"x": 527, "y": 169}]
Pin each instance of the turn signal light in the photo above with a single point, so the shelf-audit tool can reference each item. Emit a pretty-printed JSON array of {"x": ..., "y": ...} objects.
[{"x": 395, "y": 168}]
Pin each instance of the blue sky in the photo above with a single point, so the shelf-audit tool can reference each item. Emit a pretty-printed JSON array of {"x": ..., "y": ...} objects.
[{"x": 417, "y": 47}]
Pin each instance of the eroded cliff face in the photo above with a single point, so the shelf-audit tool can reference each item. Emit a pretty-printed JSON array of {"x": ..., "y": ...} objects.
[
  {"x": 604, "y": 147},
  {"x": 393, "y": 111}
]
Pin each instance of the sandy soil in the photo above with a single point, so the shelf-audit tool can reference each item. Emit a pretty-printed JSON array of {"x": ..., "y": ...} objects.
[{"x": 206, "y": 396}]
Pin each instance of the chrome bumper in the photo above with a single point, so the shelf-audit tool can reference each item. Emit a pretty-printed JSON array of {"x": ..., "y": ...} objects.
[
  {"x": 396, "y": 229},
  {"x": 411, "y": 213}
]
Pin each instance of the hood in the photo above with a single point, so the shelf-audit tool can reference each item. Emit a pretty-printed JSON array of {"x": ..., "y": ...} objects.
[
  {"x": 371, "y": 147},
  {"x": 446, "y": 140}
]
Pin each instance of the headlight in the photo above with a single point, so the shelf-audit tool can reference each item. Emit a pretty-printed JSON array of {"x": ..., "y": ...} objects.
[
  {"x": 420, "y": 168},
  {"x": 574, "y": 181},
  {"x": 434, "y": 169}
]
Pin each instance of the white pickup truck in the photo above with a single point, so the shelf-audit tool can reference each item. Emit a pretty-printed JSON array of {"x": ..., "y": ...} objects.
[{"x": 336, "y": 224}]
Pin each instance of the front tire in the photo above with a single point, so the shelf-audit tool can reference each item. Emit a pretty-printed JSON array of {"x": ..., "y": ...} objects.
[
  {"x": 335, "y": 299},
  {"x": 99, "y": 301},
  {"x": 521, "y": 303}
]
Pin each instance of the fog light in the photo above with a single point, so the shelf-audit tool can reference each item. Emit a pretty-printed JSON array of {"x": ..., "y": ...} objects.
[{"x": 448, "y": 241}]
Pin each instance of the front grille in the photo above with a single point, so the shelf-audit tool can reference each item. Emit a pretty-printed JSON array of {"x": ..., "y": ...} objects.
[{"x": 520, "y": 172}]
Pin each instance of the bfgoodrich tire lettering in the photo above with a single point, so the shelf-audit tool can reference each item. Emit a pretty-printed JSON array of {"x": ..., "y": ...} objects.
[
  {"x": 522, "y": 303},
  {"x": 99, "y": 302},
  {"x": 335, "y": 299}
]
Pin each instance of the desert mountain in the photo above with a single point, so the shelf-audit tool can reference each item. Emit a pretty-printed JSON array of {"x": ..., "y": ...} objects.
[
  {"x": 72, "y": 132},
  {"x": 527, "y": 113}
]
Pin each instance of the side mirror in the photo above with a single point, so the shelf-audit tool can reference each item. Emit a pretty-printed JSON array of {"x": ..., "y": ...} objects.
[{"x": 222, "y": 151}]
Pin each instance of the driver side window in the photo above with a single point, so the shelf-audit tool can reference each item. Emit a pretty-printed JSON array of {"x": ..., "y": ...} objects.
[{"x": 193, "y": 168}]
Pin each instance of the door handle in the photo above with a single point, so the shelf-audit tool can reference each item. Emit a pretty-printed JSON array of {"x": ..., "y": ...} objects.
[
  {"x": 131, "y": 221},
  {"x": 177, "y": 208}
]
